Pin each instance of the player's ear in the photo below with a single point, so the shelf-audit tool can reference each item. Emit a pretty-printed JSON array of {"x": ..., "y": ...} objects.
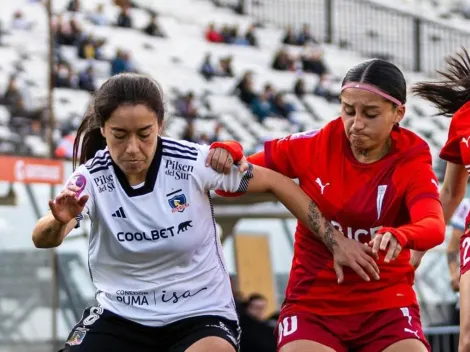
[
  {"x": 102, "y": 132},
  {"x": 400, "y": 114}
]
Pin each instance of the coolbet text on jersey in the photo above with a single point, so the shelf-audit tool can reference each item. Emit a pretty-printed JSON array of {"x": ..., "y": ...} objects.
[
  {"x": 154, "y": 253},
  {"x": 358, "y": 199}
]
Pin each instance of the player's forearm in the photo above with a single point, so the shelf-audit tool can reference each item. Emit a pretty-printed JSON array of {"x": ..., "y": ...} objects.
[
  {"x": 48, "y": 232},
  {"x": 305, "y": 210},
  {"x": 450, "y": 200},
  {"x": 452, "y": 262}
]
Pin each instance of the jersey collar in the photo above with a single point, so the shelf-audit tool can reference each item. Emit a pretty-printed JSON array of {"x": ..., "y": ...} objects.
[{"x": 150, "y": 180}]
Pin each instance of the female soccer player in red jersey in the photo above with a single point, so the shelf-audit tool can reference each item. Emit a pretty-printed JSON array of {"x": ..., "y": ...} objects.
[
  {"x": 452, "y": 97},
  {"x": 374, "y": 181}
]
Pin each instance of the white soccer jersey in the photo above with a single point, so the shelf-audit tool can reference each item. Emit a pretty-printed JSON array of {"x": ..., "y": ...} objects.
[
  {"x": 458, "y": 219},
  {"x": 154, "y": 254}
]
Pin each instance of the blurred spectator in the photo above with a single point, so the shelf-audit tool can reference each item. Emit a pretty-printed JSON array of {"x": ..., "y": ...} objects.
[
  {"x": 269, "y": 91},
  {"x": 207, "y": 70},
  {"x": 250, "y": 36},
  {"x": 124, "y": 19},
  {"x": 225, "y": 67},
  {"x": 290, "y": 38},
  {"x": 299, "y": 88},
  {"x": 63, "y": 76},
  {"x": 20, "y": 22},
  {"x": 235, "y": 37},
  {"x": 12, "y": 93},
  {"x": 121, "y": 63},
  {"x": 64, "y": 148},
  {"x": 19, "y": 113},
  {"x": 257, "y": 335},
  {"x": 189, "y": 133},
  {"x": 323, "y": 89},
  {"x": 212, "y": 35},
  {"x": 98, "y": 17},
  {"x": 244, "y": 89},
  {"x": 186, "y": 106},
  {"x": 261, "y": 107},
  {"x": 204, "y": 139},
  {"x": 86, "y": 48},
  {"x": 227, "y": 34},
  {"x": 282, "y": 61},
  {"x": 74, "y": 6},
  {"x": 305, "y": 36},
  {"x": 1, "y": 33},
  {"x": 312, "y": 60},
  {"x": 86, "y": 80},
  {"x": 153, "y": 27},
  {"x": 280, "y": 107}
]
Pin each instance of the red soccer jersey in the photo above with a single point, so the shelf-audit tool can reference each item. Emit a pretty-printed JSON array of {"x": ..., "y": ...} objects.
[
  {"x": 358, "y": 199},
  {"x": 457, "y": 151}
]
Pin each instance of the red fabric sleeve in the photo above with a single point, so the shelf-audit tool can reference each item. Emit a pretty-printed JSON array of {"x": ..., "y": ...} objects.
[
  {"x": 459, "y": 135},
  {"x": 427, "y": 228},
  {"x": 258, "y": 159},
  {"x": 292, "y": 155}
]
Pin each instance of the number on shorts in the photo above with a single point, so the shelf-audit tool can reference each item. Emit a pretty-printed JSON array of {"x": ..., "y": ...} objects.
[
  {"x": 466, "y": 247},
  {"x": 95, "y": 313},
  {"x": 287, "y": 327}
]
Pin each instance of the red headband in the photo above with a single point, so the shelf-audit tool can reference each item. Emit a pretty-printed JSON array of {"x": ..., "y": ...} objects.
[{"x": 372, "y": 89}]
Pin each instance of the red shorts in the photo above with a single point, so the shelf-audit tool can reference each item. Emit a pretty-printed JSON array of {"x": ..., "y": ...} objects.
[
  {"x": 364, "y": 332},
  {"x": 465, "y": 252}
]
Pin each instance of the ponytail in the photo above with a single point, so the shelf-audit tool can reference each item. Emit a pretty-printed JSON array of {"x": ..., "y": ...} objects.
[
  {"x": 88, "y": 139},
  {"x": 450, "y": 94}
]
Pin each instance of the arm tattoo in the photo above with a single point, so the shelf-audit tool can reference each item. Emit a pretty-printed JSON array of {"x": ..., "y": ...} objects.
[
  {"x": 452, "y": 257},
  {"x": 48, "y": 230},
  {"x": 321, "y": 227}
]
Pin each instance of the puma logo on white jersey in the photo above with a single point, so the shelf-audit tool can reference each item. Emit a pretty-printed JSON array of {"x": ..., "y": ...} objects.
[
  {"x": 414, "y": 332},
  {"x": 466, "y": 140},
  {"x": 318, "y": 181}
]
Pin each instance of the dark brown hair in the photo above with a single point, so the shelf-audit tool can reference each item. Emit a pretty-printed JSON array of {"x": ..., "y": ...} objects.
[
  {"x": 122, "y": 89},
  {"x": 451, "y": 93},
  {"x": 381, "y": 74}
]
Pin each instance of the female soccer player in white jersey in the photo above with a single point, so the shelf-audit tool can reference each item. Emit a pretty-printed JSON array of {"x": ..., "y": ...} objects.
[
  {"x": 154, "y": 254},
  {"x": 452, "y": 98}
]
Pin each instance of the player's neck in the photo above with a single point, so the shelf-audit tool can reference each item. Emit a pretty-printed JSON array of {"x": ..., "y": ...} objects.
[
  {"x": 136, "y": 179},
  {"x": 368, "y": 156}
]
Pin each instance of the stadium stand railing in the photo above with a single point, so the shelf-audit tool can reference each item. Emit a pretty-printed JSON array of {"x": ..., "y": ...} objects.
[{"x": 374, "y": 30}]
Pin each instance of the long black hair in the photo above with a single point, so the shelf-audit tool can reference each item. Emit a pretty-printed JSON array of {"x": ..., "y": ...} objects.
[
  {"x": 126, "y": 88},
  {"x": 380, "y": 73},
  {"x": 451, "y": 93}
]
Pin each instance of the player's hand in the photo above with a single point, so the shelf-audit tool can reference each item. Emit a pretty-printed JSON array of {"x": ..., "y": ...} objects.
[
  {"x": 383, "y": 241},
  {"x": 455, "y": 282},
  {"x": 358, "y": 256},
  {"x": 221, "y": 161},
  {"x": 67, "y": 206}
]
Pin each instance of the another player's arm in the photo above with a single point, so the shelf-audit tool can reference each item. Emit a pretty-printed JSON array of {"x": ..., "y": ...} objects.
[
  {"x": 298, "y": 203},
  {"x": 49, "y": 232},
  {"x": 451, "y": 194},
  {"x": 464, "y": 341}
]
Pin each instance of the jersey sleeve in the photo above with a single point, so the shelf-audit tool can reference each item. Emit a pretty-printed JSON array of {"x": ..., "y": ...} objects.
[
  {"x": 233, "y": 182},
  {"x": 422, "y": 184},
  {"x": 288, "y": 155},
  {"x": 458, "y": 219},
  {"x": 458, "y": 137},
  {"x": 81, "y": 179}
]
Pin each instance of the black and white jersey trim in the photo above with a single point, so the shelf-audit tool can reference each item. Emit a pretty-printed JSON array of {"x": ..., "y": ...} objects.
[
  {"x": 177, "y": 150},
  {"x": 100, "y": 163},
  {"x": 246, "y": 179}
]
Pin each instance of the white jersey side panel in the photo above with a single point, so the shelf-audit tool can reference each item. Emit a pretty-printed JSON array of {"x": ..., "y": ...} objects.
[
  {"x": 458, "y": 219},
  {"x": 154, "y": 254}
]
